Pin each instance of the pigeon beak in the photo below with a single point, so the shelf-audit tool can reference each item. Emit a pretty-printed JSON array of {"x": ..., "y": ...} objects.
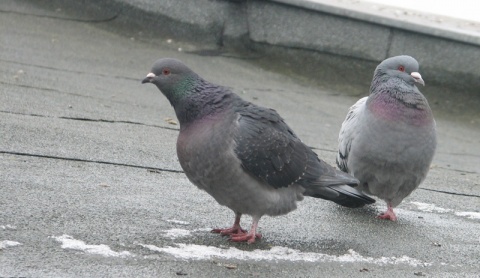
[
  {"x": 418, "y": 78},
  {"x": 149, "y": 78}
]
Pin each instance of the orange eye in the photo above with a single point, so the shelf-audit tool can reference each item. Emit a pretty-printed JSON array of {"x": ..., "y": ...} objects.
[
  {"x": 166, "y": 71},
  {"x": 401, "y": 68}
]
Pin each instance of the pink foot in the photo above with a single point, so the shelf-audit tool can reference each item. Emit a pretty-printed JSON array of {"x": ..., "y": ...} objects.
[
  {"x": 247, "y": 237},
  {"x": 234, "y": 230},
  {"x": 388, "y": 215},
  {"x": 250, "y": 236}
]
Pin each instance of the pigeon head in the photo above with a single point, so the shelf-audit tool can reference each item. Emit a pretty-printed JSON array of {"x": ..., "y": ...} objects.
[
  {"x": 402, "y": 67},
  {"x": 173, "y": 79}
]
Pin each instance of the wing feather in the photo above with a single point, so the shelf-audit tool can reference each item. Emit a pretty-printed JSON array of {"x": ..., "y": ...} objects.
[
  {"x": 268, "y": 148},
  {"x": 348, "y": 132}
]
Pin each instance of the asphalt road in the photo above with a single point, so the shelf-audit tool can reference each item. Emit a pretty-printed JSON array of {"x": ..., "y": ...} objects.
[{"x": 90, "y": 184}]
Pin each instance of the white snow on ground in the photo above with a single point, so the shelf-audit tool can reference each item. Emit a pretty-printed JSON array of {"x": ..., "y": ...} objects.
[
  {"x": 179, "y": 222},
  {"x": 7, "y": 227},
  {"x": 176, "y": 233},
  {"x": 276, "y": 253},
  {"x": 8, "y": 243},
  {"x": 430, "y": 207},
  {"x": 433, "y": 208},
  {"x": 468, "y": 214},
  {"x": 69, "y": 242}
]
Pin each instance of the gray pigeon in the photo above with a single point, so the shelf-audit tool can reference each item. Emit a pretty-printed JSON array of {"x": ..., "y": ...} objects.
[
  {"x": 244, "y": 155},
  {"x": 388, "y": 139}
]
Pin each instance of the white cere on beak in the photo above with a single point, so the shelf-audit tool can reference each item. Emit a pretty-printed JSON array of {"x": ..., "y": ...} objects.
[
  {"x": 151, "y": 74},
  {"x": 418, "y": 78}
]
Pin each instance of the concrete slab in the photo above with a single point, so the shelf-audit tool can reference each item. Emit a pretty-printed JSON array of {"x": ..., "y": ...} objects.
[
  {"x": 408, "y": 19},
  {"x": 285, "y": 26}
]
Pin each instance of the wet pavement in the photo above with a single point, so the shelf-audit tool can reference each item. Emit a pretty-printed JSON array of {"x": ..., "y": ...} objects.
[{"x": 91, "y": 186}]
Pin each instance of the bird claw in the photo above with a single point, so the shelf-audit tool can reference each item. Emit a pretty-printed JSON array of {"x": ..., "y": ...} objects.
[
  {"x": 388, "y": 215},
  {"x": 235, "y": 230},
  {"x": 246, "y": 237}
]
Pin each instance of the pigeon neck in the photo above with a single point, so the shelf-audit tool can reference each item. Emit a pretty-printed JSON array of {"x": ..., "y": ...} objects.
[
  {"x": 384, "y": 87},
  {"x": 177, "y": 93},
  {"x": 395, "y": 100},
  {"x": 204, "y": 101}
]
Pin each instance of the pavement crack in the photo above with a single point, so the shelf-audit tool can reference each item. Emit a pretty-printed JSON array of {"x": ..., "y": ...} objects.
[
  {"x": 116, "y": 121},
  {"x": 322, "y": 149},
  {"x": 43, "y": 89},
  {"x": 23, "y": 114},
  {"x": 457, "y": 170},
  {"x": 70, "y": 70},
  {"x": 90, "y": 120},
  {"x": 159, "y": 170},
  {"x": 440, "y": 167},
  {"x": 389, "y": 42},
  {"x": 69, "y": 93},
  {"x": 450, "y": 193},
  {"x": 460, "y": 154},
  {"x": 101, "y": 20},
  {"x": 151, "y": 169}
]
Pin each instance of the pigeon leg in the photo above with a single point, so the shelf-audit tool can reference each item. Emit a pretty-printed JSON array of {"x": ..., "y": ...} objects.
[
  {"x": 389, "y": 214},
  {"x": 234, "y": 230},
  {"x": 250, "y": 236}
]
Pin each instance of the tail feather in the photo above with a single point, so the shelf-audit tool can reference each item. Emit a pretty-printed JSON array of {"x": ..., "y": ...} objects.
[
  {"x": 323, "y": 181},
  {"x": 343, "y": 195}
]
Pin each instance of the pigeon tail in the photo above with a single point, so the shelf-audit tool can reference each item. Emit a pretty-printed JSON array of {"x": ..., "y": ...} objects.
[
  {"x": 343, "y": 195},
  {"x": 325, "y": 182}
]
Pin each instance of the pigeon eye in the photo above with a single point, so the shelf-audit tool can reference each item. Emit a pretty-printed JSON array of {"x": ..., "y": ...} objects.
[
  {"x": 166, "y": 71},
  {"x": 401, "y": 68}
]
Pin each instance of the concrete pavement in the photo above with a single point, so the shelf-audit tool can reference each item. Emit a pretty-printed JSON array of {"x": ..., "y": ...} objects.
[{"x": 91, "y": 186}]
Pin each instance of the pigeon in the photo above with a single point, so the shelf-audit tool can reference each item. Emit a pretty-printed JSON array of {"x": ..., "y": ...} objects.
[
  {"x": 388, "y": 139},
  {"x": 243, "y": 155}
]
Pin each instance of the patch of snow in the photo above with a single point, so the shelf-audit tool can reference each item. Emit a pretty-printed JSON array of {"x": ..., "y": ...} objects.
[
  {"x": 433, "y": 208},
  {"x": 203, "y": 230},
  {"x": 276, "y": 253},
  {"x": 179, "y": 222},
  {"x": 468, "y": 214},
  {"x": 8, "y": 227},
  {"x": 152, "y": 247},
  {"x": 8, "y": 243},
  {"x": 69, "y": 242},
  {"x": 177, "y": 233},
  {"x": 430, "y": 207}
]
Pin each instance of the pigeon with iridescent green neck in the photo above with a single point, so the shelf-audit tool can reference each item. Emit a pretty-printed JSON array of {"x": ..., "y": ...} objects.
[
  {"x": 243, "y": 155},
  {"x": 388, "y": 139}
]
